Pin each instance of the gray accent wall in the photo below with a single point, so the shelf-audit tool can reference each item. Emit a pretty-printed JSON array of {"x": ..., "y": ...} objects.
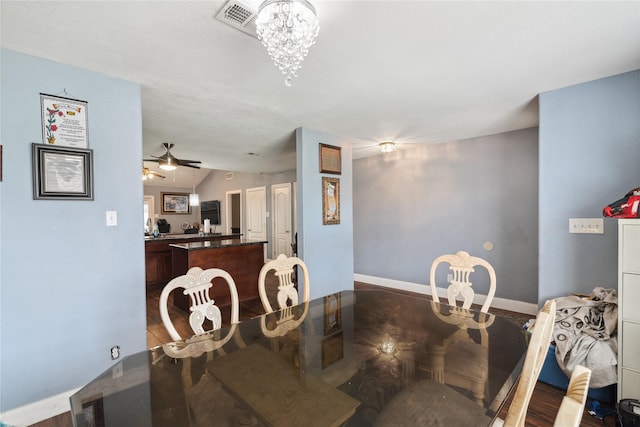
[
  {"x": 589, "y": 157},
  {"x": 71, "y": 287},
  {"x": 422, "y": 201},
  {"x": 326, "y": 249}
]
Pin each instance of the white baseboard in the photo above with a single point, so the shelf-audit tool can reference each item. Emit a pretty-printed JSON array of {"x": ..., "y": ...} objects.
[
  {"x": 422, "y": 288},
  {"x": 38, "y": 411}
]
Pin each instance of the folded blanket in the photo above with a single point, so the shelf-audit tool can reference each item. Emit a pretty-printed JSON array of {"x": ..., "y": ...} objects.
[{"x": 585, "y": 333}]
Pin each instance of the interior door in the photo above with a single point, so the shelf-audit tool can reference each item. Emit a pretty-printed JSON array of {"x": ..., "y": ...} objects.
[
  {"x": 257, "y": 213},
  {"x": 281, "y": 208}
]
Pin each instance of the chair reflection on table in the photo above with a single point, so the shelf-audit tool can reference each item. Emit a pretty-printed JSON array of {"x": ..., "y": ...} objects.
[
  {"x": 467, "y": 361},
  {"x": 273, "y": 386},
  {"x": 437, "y": 398},
  {"x": 283, "y": 329},
  {"x": 204, "y": 396}
]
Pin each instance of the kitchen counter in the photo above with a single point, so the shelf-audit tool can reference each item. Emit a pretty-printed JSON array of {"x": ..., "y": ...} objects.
[
  {"x": 241, "y": 258},
  {"x": 157, "y": 251}
]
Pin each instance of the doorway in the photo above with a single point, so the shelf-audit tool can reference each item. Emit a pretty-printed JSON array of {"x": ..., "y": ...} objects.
[
  {"x": 149, "y": 214},
  {"x": 234, "y": 211}
]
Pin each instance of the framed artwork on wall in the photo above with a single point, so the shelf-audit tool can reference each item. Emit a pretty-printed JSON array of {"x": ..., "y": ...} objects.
[
  {"x": 62, "y": 173},
  {"x": 330, "y": 200},
  {"x": 330, "y": 159},
  {"x": 176, "y": 203}
]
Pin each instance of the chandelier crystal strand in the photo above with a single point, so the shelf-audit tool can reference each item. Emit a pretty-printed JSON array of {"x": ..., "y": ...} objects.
[{"x": 287, "y": 28}]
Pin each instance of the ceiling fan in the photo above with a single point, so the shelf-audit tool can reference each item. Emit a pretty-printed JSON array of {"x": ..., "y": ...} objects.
[
  {"x": 169, "y": 162},
  {"x": 149, "y": 174}
]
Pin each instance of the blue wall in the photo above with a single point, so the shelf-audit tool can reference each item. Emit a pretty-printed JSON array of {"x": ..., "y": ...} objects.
[
  {"x": 422, "y": 201},
  {"x": 71, "y": 287},
  {"x": 326, "y": 249},
  {"x": 589, "y": 157}
]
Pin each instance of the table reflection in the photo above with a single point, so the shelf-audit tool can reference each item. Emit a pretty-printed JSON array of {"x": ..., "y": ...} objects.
[{"x": 337, "y": 360}]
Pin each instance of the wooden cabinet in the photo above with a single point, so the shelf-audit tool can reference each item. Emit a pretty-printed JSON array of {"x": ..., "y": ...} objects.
[
  {"x": 629, "y": 309},
  {"x": 157, "y": 253}
]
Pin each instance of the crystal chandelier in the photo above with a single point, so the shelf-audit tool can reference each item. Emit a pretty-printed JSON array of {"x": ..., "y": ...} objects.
[{"x": 287, "y": 28}]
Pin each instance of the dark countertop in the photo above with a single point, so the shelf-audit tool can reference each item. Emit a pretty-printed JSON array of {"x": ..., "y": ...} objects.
[
  {"x": 189, "y": 236},
  {"x": 208, "y": 244}
]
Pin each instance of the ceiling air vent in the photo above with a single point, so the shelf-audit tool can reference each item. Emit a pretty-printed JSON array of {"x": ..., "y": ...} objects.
[{"x": 239, "y": 16}]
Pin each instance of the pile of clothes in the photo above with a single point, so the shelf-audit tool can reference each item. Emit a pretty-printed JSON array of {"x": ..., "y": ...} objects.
[{"x": 585, "y": 333}]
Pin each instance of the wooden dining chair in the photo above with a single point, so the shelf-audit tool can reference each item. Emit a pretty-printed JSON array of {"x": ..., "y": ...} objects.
[
  {"x": 536, "y": 354},
  {"x": 572, "y": 406},
  {"x": 287, "y": 295},
  {"x": 196, "y": 284},
  {"x": 462, "y": 265}
]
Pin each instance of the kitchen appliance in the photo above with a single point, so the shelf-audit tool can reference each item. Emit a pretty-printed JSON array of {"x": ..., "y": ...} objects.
[{"x": 163, "y": 226}]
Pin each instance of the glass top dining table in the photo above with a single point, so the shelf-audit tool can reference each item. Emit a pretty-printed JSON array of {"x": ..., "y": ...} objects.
[{"x": 354, "y": 358}]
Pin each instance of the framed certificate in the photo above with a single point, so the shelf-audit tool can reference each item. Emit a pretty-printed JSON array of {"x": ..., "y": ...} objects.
[{"x": 62, "y": 173}]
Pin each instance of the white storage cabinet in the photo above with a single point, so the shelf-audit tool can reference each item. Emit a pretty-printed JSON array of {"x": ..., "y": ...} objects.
[{"x": 628, "y": 309}]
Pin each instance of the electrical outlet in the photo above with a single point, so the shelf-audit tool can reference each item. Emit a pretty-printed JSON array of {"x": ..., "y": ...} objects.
[
  {"x": 586, "y": 225},
  {"x": 449, "y": 277}
]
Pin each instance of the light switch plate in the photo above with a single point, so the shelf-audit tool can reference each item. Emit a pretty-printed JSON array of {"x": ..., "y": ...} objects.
[
  {"x": 586, "y": 225},
  {"x": 112, "y": 218}
]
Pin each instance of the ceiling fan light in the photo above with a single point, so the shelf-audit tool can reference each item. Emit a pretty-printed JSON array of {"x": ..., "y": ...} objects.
[{"x": 167, "y": 164}]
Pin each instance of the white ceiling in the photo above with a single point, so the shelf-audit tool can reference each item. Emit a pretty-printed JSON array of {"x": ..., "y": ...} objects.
[{"x": 407, "y": 71}]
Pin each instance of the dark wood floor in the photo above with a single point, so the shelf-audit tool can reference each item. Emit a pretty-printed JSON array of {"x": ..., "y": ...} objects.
[{"x": 542, "y": 408}]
